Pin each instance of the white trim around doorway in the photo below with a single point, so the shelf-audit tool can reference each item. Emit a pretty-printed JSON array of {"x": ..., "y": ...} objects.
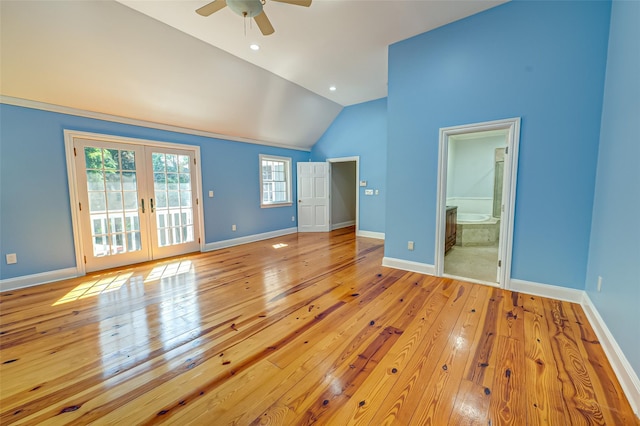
[
  {"x": 71, "y": 135},
  {"x": 346, "y": 160},
  {"x": 512, "y": 125}
]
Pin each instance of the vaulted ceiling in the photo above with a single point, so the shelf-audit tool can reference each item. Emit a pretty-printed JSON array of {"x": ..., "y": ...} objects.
[{"x": 160, "y": 62}]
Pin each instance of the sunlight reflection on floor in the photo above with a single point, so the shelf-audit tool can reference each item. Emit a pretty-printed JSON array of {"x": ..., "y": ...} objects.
[
  {"x": 95, "y": 287},
  {"x": 168, "y": 270}
]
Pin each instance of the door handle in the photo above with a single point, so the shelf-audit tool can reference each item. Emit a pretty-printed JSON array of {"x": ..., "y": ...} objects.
[
  {"x": 151, "y": 203},
  {"x": 142, "y": 202},
  {"x": 299, "y": 201}
]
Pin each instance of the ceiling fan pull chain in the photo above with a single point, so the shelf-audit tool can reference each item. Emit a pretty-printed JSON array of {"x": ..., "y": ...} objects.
[{"x": 244, "y": 21}]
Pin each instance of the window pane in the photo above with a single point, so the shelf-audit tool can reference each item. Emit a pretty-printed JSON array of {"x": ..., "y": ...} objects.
[
  {"x": 114, "y": 201},
  {"x": 97, "y": 202},
  {"x": 129, "y": 182},
  {"x": 113, "y": 181},
  {"x": 184, "y": 164},
  {"x": 95, "y": 180},
  {"x": 128, "y": 160},
  {"x": 185, "y": 181},
  {"x": 158, "y": 162},
  {"x": 159, "y": 182},
  {"x": 174, "y": 199},
  {"x": 130, "y": 201},
  {"x": 93, "y": 157},
  {"x": 161, "y": 199},
  {"x": 110, "y": 159},
  {"x": 172, "y": 181},
  {"x": 185, "y": 198},
  {"x": 171, "y": 162}
]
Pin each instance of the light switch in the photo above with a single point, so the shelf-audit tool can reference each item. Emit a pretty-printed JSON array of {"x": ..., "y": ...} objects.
[
  {"x": 210, "y": 194},
  {"x": 363, "y": 183},
  {"x": 12, "y": 258}
]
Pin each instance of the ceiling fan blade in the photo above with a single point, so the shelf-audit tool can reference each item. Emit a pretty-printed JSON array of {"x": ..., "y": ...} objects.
[
  {"x": 212, "y": 7},
  {"x": 305, "y": 3},
  {"x": 264, "y": 24}
]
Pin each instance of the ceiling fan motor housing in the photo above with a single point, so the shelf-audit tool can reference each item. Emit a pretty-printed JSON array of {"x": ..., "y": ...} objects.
[{"x": 248, "y": 8}]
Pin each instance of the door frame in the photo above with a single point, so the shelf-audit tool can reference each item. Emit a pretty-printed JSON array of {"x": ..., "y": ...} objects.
[
  {"x": 331, "y": 161},
  {"x": 512, "y": 125},
  {"x": 72, "y": 174}
]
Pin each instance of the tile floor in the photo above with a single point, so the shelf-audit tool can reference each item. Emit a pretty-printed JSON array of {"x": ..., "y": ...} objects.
[{"x": 479, "y": 263}]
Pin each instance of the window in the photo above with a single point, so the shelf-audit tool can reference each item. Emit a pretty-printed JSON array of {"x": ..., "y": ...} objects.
[{"x": 275, "y": 181}]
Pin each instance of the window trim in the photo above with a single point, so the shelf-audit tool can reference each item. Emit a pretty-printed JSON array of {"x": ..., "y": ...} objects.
[{"x": 288, "y": 177}]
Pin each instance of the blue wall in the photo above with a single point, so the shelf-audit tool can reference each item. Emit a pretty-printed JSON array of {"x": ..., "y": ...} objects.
[
  {"x": 542, "y": 61},
  {"x": 361, "y": 130},
  {"x": 35, "y": 216},
  {"x": 615, "y": 234}
]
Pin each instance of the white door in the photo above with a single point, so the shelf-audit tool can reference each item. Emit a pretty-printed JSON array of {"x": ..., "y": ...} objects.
[
  {"x": 136, "y": 202},
  {"x": 172, "y": 203},
  {"x": 313, "y": 197}
]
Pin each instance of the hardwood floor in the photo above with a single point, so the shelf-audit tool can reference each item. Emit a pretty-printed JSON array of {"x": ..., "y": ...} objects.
[{"x": 315, "y": 331}]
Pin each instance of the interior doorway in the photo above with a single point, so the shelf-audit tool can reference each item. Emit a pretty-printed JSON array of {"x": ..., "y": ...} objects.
[
  {"x": 344, "y": 199},
  {"x": 476, "y": 196}
]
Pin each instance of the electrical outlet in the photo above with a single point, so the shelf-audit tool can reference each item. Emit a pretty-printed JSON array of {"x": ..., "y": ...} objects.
[
  {"x": 293, "y": 218},
  {"x": 599, "y": 283},
  {"x": 368, "y": 192},
  {"x": 233, "y": 227},
  {"x": 410, "y": 245},
  {"x": 12, "y": 258}
]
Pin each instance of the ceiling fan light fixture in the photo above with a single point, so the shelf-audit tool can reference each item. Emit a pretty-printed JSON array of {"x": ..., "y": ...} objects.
[{"x": 246, "y": 8}]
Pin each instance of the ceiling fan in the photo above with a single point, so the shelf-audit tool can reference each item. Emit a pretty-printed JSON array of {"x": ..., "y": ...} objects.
[{"x": 249, "y": 9}]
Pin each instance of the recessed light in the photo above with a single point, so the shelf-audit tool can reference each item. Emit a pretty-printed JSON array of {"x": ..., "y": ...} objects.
[
  {"x": 254, "y": 47},
  {"x": 332, "y": 88}
]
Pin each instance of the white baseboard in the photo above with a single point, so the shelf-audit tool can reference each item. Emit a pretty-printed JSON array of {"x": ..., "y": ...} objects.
[
  {"x": 248, "y": 239},
  {"x": 620, "y": 364},
  {"x": 408, "y": 265},
  {"x": 36, "y": 279},
  {"x": 370, "y": 234},
  {"x": 346, "y": 224},
  {"x": 546, "y": 290}
]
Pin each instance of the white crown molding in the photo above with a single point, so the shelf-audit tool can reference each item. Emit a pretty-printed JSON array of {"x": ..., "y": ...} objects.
[
  {"x": 248, "y": 239},
  {"x": 37, "y": 279},
  {"x": 9, "y": 100},
  {"x": 370, "y": 234}
]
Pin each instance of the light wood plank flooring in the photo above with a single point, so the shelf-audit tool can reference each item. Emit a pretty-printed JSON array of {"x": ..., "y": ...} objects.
[{"x": 312, "y": 332}]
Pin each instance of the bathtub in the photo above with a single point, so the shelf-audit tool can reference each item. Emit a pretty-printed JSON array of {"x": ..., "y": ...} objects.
[
  {"x": 477, "y": 229},
  {"x": 473, "y": 217}
]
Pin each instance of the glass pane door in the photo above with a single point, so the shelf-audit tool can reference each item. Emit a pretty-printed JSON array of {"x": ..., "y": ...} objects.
[
  {"x": 110, "y": 193},
  {"x": 173, "y": 214},
  {"x": 137, "y": 202}
]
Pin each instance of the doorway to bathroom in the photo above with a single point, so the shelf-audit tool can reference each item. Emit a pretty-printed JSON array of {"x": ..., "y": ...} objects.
[{"x": 476, "y": 197}]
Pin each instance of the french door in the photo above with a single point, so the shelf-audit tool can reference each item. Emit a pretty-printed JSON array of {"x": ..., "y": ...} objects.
[{"x": 135, "y": 202}]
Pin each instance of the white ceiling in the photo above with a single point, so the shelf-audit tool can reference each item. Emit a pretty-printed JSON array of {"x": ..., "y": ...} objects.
[{"x": 105, "y": 57}]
